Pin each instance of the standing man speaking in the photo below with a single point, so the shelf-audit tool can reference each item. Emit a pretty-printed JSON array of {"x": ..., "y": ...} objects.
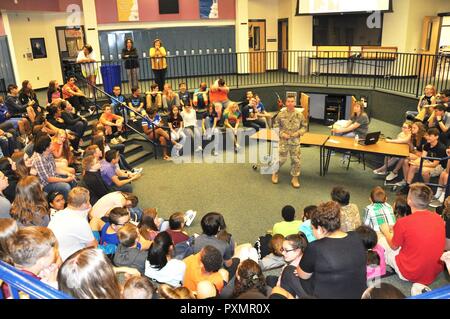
[{"x": 292, "y": 125}]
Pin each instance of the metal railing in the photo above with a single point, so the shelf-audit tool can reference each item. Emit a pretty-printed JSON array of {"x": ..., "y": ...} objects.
[
  {"x": 19, "y": 282},
  {"x": 403, "y": 73},
  {"x": 446, "y": 186}
]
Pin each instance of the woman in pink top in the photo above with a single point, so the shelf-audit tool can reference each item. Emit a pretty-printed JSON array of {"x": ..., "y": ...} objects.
[{"x": 376, "y": 263}]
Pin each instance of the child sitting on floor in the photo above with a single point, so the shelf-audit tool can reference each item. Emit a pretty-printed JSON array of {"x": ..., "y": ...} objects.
[
  {"x": 305, "y": 227},
  {"x": 376, "y": 264}
]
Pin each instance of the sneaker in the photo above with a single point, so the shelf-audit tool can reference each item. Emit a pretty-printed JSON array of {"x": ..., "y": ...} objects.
[
  {"x": 121, "y": 139},
  {"x": 438, "y": 194},
  {"x": 401, "y": 183},
  {"x": 114, "y": 141},
  {"x": 189, "y": 217},
  {"x": 137, "y": 170},
  {"x": 199, "y": 149},
  {"x": 92, "y": 109},
  {"x": 377, "y": 172},
  {"x": 237, "y": 148},
  {"x": 435, "y": 203},
  {"x": 215, "y": 153},
  {"x": 391, "y": 176},
  {"x": 418, "y": 289}
]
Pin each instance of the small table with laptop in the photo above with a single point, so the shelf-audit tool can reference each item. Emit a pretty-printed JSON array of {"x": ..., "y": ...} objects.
[{"x": 370, "y": 144}]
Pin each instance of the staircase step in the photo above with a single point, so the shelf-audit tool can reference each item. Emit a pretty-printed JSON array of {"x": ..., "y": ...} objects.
[
  {"x": 131, "y": 149},
  {"x": 132, "y": 159}
]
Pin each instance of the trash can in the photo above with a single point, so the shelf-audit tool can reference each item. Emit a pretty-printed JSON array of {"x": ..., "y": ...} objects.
[{"x": 110, "y": 76}]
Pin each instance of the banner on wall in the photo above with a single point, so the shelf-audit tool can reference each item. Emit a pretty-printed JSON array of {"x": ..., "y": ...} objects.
[
  {"x": 128, "y": 10},
  {"x": 209, "y": 9}
]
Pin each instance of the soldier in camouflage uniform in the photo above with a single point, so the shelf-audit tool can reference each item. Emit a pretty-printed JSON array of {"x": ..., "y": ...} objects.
[{"x": 292, "y": 126}]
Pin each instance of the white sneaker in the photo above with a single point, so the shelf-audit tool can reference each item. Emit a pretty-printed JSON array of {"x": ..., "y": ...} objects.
[
  {"x": 199, "y": 149},
  {"x": 391, "y": 176},
  {"x": 121, "y": 139},
  {"x": 377, "y": 172},
  {"x": 189, "y": 217},
  {"x": 215, "y": 153},
  {"x": 137, "y": 170},
  {"x": 114, "y": 141},
  {"x": 401, "y": 183},
  {"x": 92, "y": 109},
  {"x": 418, "y": 289}
]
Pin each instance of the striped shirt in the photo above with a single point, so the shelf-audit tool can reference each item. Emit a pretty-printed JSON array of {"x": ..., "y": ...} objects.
[{"x": 377, "y": 214}]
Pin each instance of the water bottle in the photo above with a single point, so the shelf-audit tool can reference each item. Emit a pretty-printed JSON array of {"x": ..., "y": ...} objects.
[{"x": 356, "y": 139}]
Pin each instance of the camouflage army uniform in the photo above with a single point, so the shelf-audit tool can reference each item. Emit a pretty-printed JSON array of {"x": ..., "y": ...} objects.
[{"x": 290, "y": 122}]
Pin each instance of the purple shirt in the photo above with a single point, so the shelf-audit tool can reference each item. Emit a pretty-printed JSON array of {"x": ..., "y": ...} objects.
[{"x": 107, "y": 170}]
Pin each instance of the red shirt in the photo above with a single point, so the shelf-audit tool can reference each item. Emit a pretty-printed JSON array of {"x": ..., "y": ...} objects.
[
  {"x": 65, "y": 89},
  {"x": 216, "y": 95},
  {"x": 177, "y": 236},
  {"x": 421, "y": 237}
]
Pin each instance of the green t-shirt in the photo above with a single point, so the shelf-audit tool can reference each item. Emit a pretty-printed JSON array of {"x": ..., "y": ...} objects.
[{"x": 286, "y": 228}]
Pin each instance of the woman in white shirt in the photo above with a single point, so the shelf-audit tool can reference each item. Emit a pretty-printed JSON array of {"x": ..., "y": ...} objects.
[
  {"x": 189, "y": 116},
  {"x": 160, "y": 264},
  {"x": 89, "y": 68}
]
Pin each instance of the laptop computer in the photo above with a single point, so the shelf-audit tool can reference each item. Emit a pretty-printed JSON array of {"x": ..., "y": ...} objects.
[{"x": 371, "y": 138}]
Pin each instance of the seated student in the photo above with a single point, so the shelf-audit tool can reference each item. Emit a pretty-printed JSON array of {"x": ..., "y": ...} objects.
[
  {"x": 54, "y": 92},
  {"x": 404, "y": 137},
  {"x": 113, "y": 177},
  {"x": 376, "y": 263},
  {"x": 150, "y": 224},
  {"x": 441, "y": 121},
  {"x": 112, "y": 200},
  {"x": 383, "y": 291},
  {"x": 81, "y": 273},
  {"x": 92, "y": 179},
  {"x": 275, "y": 258},
  {"x": 246, "y": 98},
  {"x": 250, "y": 282},
  {"x": 200, "y": 98},
  {"x": 127, "y": 253},
  {"x": 401, "y": 207},
  {"x": 118, "y": 101},
  {"x": 212, "y": 226},
  {"x": 71, "y": 226},
  {"x": 206, "y": 290},
  {"x": 209, "y": 127},
  {"x": 306, "y": 227},
  {"x": 232, "y": 118},
  {"x": 204, "y": 265},
  {"x": 190, "y": 126},
  {"x": 379, "y": 212},
  {"x": 42, "y": 263},
  {"x": 176, "y": 130},
  {"x": 30, "y": 207},
  {"x": 153, "y": 98},
  {"x": 334, "y": 266},
  {"x": 160, "y": 265},
  {"x": 357, "y": 125},
  {"x": 417, "y": 241},
  {"x": 28, "y": 96},
  {"x": 62, "y": 153},
  {"x": 176, "y": 228},
  {"x": 152, "y": 125},
  {"x": 350, "y": 218},
  {"x": 183, "y": 94},
  {"x": 439, "y": 197},
  {"x": 56, "y": 203},
  {"x": 290, "y": 225},
  {"x": 170, "y": 99},
  {"x": 266, "y": 117},
  {"x": 446, "y": 217},
  {"x": 250, "y": 116},
  {"x": 45, "y": 166},
  {"x": 8, "y": 143},
  {"x": 74, "y": 95},
  {"x": 138, "y": 287},
  {"x": 112, "y": 122},
  {"x": 434, "y": 168},
  {"x": 16, "y": 111},
  {"x": 424, "y": 111},
  {"x": 218, "y": 95},
  {"x": 118, "y": 217},
  {"x": 135, "y": 103}
]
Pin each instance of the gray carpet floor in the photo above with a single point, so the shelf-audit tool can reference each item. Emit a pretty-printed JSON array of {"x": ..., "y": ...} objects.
[{"x": 250, "y": 203}]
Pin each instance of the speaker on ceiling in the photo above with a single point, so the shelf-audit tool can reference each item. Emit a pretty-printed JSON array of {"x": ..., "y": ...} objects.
[{"x": 168, "y": 6}]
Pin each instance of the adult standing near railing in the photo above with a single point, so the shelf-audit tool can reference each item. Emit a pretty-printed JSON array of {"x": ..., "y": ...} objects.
[
  {"x": 130, "y": 56},
  {"x": 87, "y": 59},
  {"x": 158, "y": 62}
]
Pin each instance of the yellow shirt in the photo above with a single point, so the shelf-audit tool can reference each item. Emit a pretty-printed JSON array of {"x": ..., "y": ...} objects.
[
  {"x": 158, "y": 60},
  {"x": 286, "y": 228}
]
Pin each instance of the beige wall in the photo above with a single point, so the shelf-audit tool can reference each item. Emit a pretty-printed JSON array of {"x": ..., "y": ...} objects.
[{"x": 25, "y": 25}]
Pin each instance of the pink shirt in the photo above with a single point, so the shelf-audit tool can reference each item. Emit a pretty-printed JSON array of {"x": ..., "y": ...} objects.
[{"x": 378, "y": 271}]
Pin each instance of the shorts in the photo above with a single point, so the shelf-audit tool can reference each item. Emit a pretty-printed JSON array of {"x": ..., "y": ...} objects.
[{"x": 435, "y": 172}]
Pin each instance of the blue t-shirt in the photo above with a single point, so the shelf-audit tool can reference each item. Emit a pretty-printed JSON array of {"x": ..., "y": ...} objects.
[
  {"x": 260, "y": 107},
  {"x": 306, "y": 229},
  {"x": 3, "y": 113},
  {"x": 147, "y": 121},
  {"x": 116, "y": 104},
  {"x": 107, "y": 170}
]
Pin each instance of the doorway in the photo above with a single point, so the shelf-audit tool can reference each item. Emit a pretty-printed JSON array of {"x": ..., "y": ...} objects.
[
  {"x": 70, "y": 42},
  {"x": 429, "y": 45},
  {"x": 283, "y": 44},
  {"x": 257, "y": 45}
]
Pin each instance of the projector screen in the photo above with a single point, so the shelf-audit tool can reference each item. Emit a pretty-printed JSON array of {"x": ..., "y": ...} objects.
[{"x": 314, "y": 7}]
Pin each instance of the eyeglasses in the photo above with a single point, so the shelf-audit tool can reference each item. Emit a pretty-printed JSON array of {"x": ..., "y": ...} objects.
[{"x": 287, "y": 250}]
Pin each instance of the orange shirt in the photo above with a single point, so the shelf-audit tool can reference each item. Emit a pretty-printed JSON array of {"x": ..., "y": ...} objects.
[
  {"x": 111, "y": 117},
  {"x": 216, "y": 95},
  {"x": 194, "y": 274}
]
